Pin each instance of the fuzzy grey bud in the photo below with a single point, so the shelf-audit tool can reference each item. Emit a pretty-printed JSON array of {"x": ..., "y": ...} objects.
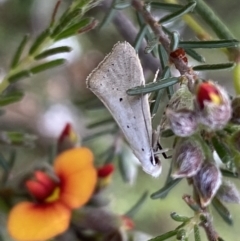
[
  {"x": 213, "y": 106},
  {"x": 207, "y": 181},
  {"x": 182, "y": 122},
  {"x": 187, "y": 158},
  {"x": 228, "y": 193},
  {"x": 236, "y": 110}
]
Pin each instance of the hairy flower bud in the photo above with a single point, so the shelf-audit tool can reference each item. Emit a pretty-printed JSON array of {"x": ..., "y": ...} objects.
[
  {"x": 228, "y": 193},
  {"x": 212, "y": 105},
  {"x": 182, "y": 99},
  {"x": 182, "y": 122},
  {"x": 236, "y": 110},
  {"x": 187, "y": 158},
  {"x": 207, "y": 181}
]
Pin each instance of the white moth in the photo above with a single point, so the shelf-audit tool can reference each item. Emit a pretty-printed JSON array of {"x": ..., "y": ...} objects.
[{"x": 119, "y": 71}]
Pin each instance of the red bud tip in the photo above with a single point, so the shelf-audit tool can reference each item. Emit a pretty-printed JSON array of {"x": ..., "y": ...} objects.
[
  {"x": 65, "y": 133},
  {"x": 207, "y": 91},
  {"x": 180, "y": 54},
  {"x": 105, "y": 170}
]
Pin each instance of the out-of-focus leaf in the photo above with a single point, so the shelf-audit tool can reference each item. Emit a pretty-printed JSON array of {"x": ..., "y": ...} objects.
[
  {"x": 17, "y": 138},
  {"x": 11, "y": 98},
  {"x": 47, "y": 65},
  {"x": 228, "y": 173},
  {"x": 50, "y": 52},
  {"x": 73, "y": 29},
  {"x": 19, "y": 75},
  {"x": 166, "y": 6},
  {"x": 122, "y": 4},
  {"x": 4, "y": 163},
  {"x": 136, "y": 207},
  {"x": 19, "y": 51},
  {"x": 197, "y": 233},
  {"x": 162, "y": 192},
  {"x": 40, "y": 39},
  {"x": 222, "y": 211},
  {"x": 164, "y": 236},
  {"x": 179, "y": 218}
]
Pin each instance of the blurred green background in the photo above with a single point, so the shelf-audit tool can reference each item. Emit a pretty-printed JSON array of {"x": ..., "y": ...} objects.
[{"x": 50, "y": 100}]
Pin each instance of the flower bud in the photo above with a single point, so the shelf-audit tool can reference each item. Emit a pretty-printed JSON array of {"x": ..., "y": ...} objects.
[
  {"x": 105, "y": 175},
  {"x": 182, "y": 99},
  {"x": 68, "y": 138},
  {"x": 212, "y": 105},
  {"x": 236, "y": 110},
  {"x": 207, "y": 181},
  {"x": 187, "y": 158},
  {"x": 182, "y": 122},
  {"x": 228, "y": 193}
]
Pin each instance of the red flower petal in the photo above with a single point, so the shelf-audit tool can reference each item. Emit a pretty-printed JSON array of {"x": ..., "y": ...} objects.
[
  {"x": 78, "y": 176},
  {"x": 35, "y": 222}
]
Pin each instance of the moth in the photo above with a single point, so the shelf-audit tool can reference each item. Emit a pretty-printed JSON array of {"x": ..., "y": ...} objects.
[{"x": 119, "y": 71}]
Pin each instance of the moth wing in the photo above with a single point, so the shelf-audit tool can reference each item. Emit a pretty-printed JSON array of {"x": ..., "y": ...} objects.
[{"x": 118, "y": 72}]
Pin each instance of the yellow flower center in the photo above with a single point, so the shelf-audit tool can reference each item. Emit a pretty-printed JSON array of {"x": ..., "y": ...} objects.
[
  {"x": 215, "y": 98},
  {"x": 54, "y": 196}
]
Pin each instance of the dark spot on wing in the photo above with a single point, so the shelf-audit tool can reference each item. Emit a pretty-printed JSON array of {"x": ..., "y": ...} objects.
[
  {"x": 128, "y": 127},
  {"x": 134, "y": 117},
  {"x": 142, "y": 149},
  {"x": 120, "y": 99}
]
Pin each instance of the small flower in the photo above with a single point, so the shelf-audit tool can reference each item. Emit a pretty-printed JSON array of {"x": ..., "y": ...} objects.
[
  {"x": 207, "y": 181},
  {"x": 187, "y": 158},
  {"x": 70, "y": 187},
  {"x": 213, "y": 105},
  {"x": 182, "y": 122}
]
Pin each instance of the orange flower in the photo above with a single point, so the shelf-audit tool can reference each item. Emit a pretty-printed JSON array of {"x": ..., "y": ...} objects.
[{"x": 55, "y": 197}]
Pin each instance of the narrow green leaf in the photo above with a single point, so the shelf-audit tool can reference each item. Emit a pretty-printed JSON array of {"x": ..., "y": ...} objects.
[
  {"x": 228, "y": 173},
  {"x": 167, "y": 133},
  {"x": 136, "y": 207},
  {"x": 222, "y": 211},
  {"x": 209, "y": 44},
  {"x": 50, "y": 52},
  {"x": 65, "y": 21},
  {"x": 73, "y": 29},
  {"x": 11, "y": 98},
  {"x": 154, "y": 107},
  {"x": 166, "y": 6},
  {"x": 195, "y": 55},
  {"x": 163, "y": 56},
  {"x": 18, "y": 76},
  {"x": 222, "y": 150},
  {"x": 179, "y": 218},
  {"x": 151, "y": 45},
  {"x": 214, "y": 66},
  {"x": 164, "y": 236},
  {"x": 4, "y": 163},
  {"x": 40, "y": 39},
  {"x": 153, "y": 86},
  {"x": 122, "y": 5},
  {"x": 47, "y": 65},
  {"x": 181, "y": 235},
  {"x": 220, "y": 239},
  {"x": 197, "y": 236},
  {"x": 140, "y": 37},
  {"x": 174, "y": 41},
  {"x": 172, "y": 17},
  {"x": 109, "y": 15},
  {"x": 212, "y": 20},
  {"x": 111, "y": 155},
  {"x": 19, "y": 51},
  {"x": 10, "y": 164},
  {"x": 162, "y": 192}
]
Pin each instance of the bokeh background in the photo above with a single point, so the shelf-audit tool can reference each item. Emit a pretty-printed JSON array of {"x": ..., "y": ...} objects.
[{"x": 54, "y": 97}]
